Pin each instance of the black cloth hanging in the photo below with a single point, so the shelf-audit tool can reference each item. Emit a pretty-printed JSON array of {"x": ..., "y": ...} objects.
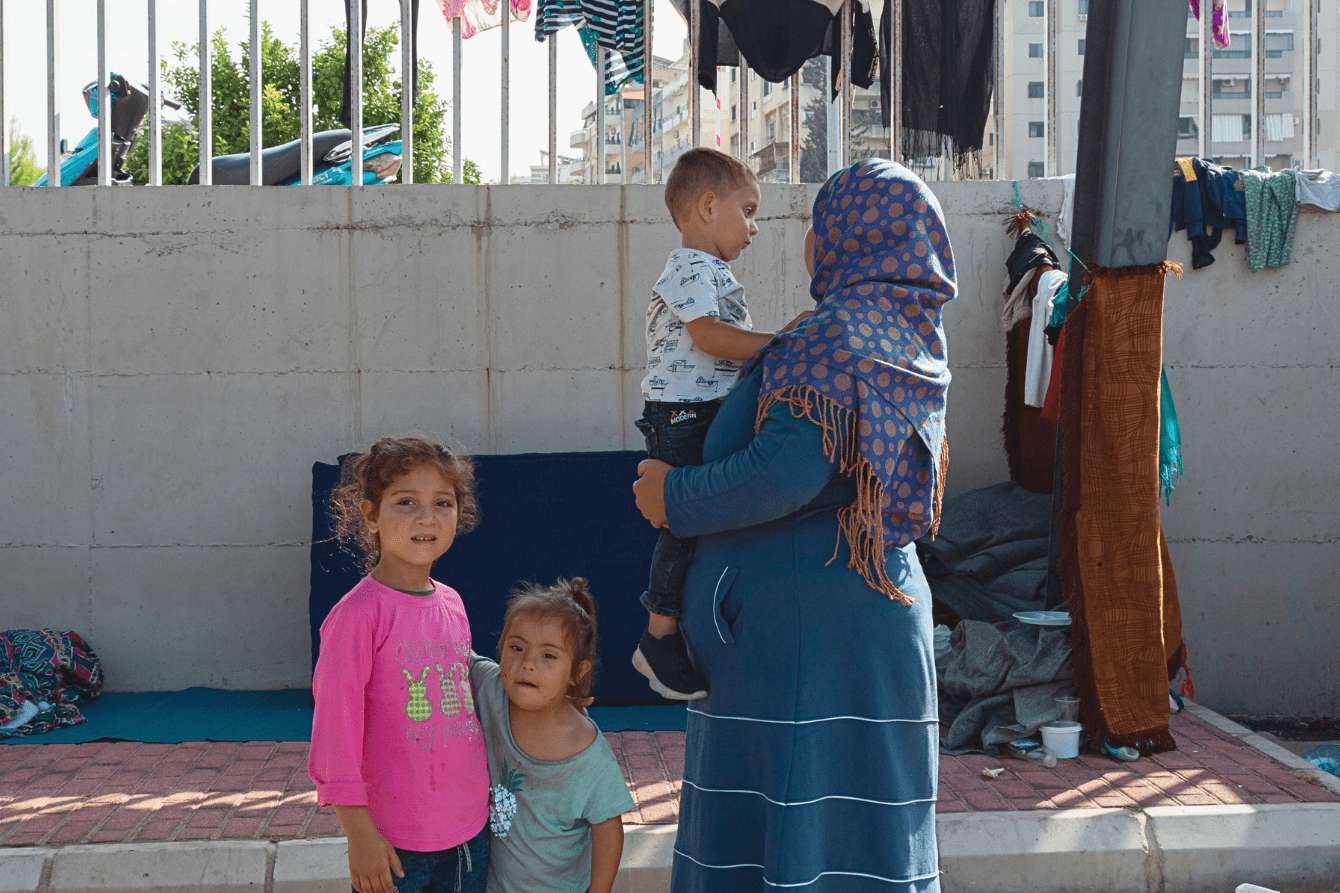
[
  {"x": 777, "y": 37},
  {"x": 346, "y": 112},
  {"x": 948, "y": 73},
  {"x": 1030, "y": 252}
]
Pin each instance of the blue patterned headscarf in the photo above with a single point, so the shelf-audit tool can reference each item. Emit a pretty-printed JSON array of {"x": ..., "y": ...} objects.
[{"x": 870, "y": 367}]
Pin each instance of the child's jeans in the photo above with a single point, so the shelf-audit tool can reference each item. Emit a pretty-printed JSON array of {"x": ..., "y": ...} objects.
[
  {"x": 674, "y": 433},
  {"x": 461, "y": 869}
]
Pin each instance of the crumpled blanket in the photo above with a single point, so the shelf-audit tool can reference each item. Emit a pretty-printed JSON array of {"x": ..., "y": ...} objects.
[
  {"x": 998, "y": 682},
  {"x": 989, "y": 558},
  {"x": 54, "y": 671}
]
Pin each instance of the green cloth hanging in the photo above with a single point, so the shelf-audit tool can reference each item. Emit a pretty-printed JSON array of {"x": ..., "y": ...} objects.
[{"x": 1170, "y": 441}]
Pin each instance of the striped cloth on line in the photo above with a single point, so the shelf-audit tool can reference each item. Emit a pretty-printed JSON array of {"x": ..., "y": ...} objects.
[{"x": 615, "y": 25}]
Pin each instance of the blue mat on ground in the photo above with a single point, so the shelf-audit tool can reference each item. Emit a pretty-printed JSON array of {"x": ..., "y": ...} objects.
[
  {"x": 544, "y": 516},
  {"x": 212, "y": 714}
]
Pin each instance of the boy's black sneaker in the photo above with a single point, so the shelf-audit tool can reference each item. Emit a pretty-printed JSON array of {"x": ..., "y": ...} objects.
[{"x": 665, "y": 663}]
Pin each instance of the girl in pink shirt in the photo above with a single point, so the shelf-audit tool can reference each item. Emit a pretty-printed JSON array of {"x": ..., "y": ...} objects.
[{"x": 397, "y": 747}]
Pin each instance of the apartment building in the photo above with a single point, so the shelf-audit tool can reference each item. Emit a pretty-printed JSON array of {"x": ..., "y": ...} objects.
[{"x": 1023, "y": 101}]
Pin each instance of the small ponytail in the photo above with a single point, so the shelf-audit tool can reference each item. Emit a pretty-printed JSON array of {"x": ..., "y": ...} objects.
[{"x": 571, "y": 603}]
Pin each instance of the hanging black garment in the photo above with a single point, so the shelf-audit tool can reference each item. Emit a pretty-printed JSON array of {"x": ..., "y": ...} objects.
[
  {"x": 346, "y": 112},
  {"x": 947, "y": 70},
  {"x": 777, "y": 37},
  {"x": 1030, "y": 251}
]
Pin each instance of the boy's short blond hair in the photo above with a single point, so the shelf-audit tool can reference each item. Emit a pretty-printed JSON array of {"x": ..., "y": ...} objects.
[{"x": 703, "y": 170}]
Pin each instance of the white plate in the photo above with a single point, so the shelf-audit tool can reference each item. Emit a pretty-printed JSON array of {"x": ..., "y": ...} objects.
[{"x": 1043, "y": 618}]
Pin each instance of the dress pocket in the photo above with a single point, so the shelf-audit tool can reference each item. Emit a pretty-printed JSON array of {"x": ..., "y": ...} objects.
[{"x": 726, "y": 610}]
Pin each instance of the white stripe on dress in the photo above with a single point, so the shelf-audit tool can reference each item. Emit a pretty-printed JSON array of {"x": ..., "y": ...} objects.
[
  {"x": 808, "y": 802},
  {"x": 805, "y": 722},
  {"x": 875, "y": 877}
]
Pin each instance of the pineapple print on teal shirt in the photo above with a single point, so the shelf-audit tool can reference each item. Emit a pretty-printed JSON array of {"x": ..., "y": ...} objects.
[
  {"x": 417, "y": 707},
  {"x": 502, "y": 803}
]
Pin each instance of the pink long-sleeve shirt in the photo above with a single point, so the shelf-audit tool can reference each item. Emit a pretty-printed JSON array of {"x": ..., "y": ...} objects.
[{"x": 395, "y": 727}]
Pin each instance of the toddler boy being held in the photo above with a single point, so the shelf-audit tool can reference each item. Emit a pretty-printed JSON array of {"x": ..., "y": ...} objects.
[{"x": 699, "y": 335}]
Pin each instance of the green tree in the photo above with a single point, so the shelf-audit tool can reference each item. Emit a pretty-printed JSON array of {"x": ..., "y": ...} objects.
[
  {"x": 814, "y": 148},
  {"x": 281, "y": 102},
  {"x": 23, "y": 169}
]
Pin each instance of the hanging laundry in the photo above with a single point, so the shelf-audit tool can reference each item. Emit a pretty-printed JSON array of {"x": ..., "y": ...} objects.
[
  {"x": 1207, "y": 199},
  {"x": 947, "y": 72},
  {"x": 1219, "y": 25},
  {"x": 346, "y": 113},
  {"x": 1272, "y": 217},
  {"x": 615, "y": 25},
  {"x": 1318, "y": 189},
  {"x": 1038, "y": 365},
  {"x": 481, "y": 15},
  {"x": 1170, "y": 442},
  {"x": 777, "y": 37},
  {"x": 1029, "y": 251}
]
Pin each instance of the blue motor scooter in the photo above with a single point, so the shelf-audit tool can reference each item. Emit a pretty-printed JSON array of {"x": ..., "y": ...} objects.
[
  {"x": 332, "y": 160},
  {"x": 130, "y": 103}
]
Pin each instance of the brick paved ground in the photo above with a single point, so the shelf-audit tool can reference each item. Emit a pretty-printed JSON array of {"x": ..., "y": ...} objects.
[{"x": 107, "y": 792}]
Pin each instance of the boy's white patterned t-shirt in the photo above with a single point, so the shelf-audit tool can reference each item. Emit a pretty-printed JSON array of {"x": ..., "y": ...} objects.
[{"x": 695, "y": 284}]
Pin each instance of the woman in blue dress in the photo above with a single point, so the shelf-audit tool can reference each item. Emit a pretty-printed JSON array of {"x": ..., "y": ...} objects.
[{"x": 811, "y": 765}]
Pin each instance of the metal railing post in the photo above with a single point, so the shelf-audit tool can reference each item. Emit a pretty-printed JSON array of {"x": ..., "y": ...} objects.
[
  {"x": 407, "y": 73},
  {"x": 1310, "y": 89},
  {"x": 457, "y": 168},
  {"x": 1259, "y": 85},
  {"x": 506, "y": 72},
  {"x": 155, "y": 102},
  {"x": 254, "y": 70},
  {"x": 356, "y": 86},
  {"x": 1051, "y": 130},
  {"x": 742, "y": 122},
  {"x": 844, "y": 83},
  {"x": 104, "y": 102},
  {"x": 600, "y": 114},
  {"x": 4, "y": 127},
  {"x": 896, "y": 81},
  {"x": 693, "y": 106},
  {"x": 553, "y": 108},
  {"x": 305, "y": 89},
  {"x": 1205, "y": 65},
  {"x": 206, "y": 95},
  {"x": 648, "y": 85},
  {"x": 53, "y": 96},
  {"x": 793, "y": 131}
]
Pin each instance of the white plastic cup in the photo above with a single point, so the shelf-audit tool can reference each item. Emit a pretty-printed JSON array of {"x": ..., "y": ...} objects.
[{"x": 1062, "y": 739}]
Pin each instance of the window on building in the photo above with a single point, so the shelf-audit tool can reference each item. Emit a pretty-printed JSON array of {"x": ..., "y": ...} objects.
[
  {"x": 1246, "y": 126},
  {"x": 753, "y": 145},
  {"x": 767, "y": 88},
  {"x": 1191, "y": 49},
  {"x": 1035, "y": 51},
  {"x": 1278, "y": 43},
  {"x": 1082, "y": 7},
  {"x": 1035, "y": 129},
  {"x": 1081, "y": 46},
  {"x": 1240, "y": 10},
  {"x": 1035, "y": 170},
  {"x": 772, "y": 131},
  {"x": 1035, "y": 89},
  {"x": 1079, "y": 88},
  {"x": 753, "y": 110},
  {"x": 732, "y": 113},
  {"x": 732, "y": 73},
  {"x": 1232, "y": 88},
  {"x": 1186, "y": 127},
  {"x": 1036, "y": 9}
]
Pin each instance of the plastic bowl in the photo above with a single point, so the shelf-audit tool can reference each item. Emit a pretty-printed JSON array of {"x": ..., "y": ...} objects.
[{"x": 1062, "y": 739}]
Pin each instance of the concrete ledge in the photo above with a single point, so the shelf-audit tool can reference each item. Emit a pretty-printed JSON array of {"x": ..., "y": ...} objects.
[
  {"x": 312, "y": 866},
  {"x": 217, "y": 866},
  {"x": 1285, "y": 846},
  {"x": 648, "y": 852},
  {"x": 21, "y": 869},
  {"x": 1076, "y": 850},
  {"x": 1266, "y": 746}
]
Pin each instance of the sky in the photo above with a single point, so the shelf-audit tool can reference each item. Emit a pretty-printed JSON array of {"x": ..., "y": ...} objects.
[{"x": 24, "y": 59}]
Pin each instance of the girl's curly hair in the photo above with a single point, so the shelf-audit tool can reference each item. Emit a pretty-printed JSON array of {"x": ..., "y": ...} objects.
[{"x": 368, "y": 475}]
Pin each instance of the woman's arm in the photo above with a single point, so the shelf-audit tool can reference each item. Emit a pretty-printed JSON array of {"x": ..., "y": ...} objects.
[
  {"x": 781, "y": 470},
  {"x": 606, "y": 850}
]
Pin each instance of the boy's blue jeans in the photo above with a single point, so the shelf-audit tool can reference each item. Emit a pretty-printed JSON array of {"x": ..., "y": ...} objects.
[
  {"x": 461, "y": 869},
  {"x": 674, "y": 433}
]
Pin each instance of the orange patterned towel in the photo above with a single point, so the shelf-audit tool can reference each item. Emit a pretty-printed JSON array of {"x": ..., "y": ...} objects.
[{"x": 1115, "y": 571}]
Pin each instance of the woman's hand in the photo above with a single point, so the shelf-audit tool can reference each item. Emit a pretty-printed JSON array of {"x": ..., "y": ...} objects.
[
  {"x": 372, "y": 859},
  {"x": 649, "y": 490}
]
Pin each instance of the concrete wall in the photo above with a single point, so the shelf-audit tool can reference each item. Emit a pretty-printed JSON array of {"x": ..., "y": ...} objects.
[{"x": 172, "y": 362}]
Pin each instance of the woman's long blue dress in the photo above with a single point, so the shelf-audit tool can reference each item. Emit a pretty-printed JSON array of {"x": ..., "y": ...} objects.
[{"x": 812, "y": 763}]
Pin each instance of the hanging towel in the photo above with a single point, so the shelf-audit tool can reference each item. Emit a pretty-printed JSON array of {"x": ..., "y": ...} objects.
[
  {"x": 1272, "y": 217},
  {"x": 1170, "y": 441},
  {"x": 1319, "y": 189},
  {"x": 947, "y": 74},
  {"x": 1038, "y": 364},
  {"x": 777, "y": 37},
  {"x": 615, "y": 25},
  {"x": 1218, "y": 27},
  {"x": 481, "y": 15},
  {"x": 346, "y": 113}
]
